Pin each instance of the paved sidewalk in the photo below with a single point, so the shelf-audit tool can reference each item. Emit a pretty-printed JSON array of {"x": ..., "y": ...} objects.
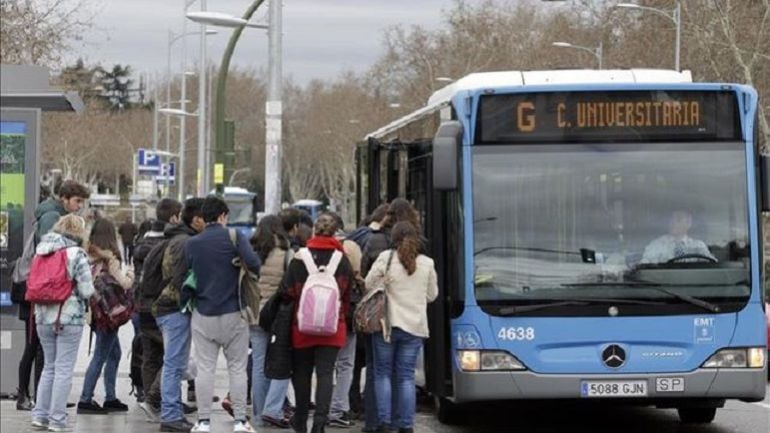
[{"x": 133, "y": 421}]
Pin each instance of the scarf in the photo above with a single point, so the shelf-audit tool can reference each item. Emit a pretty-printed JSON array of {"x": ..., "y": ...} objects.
[{"x": 324, "y": 243}]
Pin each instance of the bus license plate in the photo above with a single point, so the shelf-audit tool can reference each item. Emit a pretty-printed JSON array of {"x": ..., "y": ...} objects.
[{"x": 614, "y": 388}]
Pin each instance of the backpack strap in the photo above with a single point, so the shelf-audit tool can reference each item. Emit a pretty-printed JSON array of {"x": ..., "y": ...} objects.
[
  {"x": 286, "y": 260},
  {"x": 307, "y": 258},
  {"x": 334, "y": 262},
  {"x": 233, "y": 237}
]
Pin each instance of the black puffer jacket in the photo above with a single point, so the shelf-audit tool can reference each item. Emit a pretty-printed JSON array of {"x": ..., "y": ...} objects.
[
  {"x": 141, "y": 251},
  {"x": 278, "y": 360}
]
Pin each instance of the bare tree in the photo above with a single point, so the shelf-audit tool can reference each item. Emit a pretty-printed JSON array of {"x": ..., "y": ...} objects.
[{"x": 38, "y": 32}]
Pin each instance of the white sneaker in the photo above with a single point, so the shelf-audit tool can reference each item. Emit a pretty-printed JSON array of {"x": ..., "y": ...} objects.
[
  {"x": 243, "y": 427},
  {"x": 60, "y": 428},
  {"x": 201, "y": 427},
  {"x": 39, "y": 425},
  {"x": 150, "y": 412}
]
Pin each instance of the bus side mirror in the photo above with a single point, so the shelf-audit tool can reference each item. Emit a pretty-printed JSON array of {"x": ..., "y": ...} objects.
[
  {"x": 764, "y": 178},
  {"x": 446, "y": 145}
]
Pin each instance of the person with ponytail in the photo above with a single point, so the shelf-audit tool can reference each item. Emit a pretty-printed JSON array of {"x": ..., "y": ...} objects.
[{"x": 411, "y": 284}]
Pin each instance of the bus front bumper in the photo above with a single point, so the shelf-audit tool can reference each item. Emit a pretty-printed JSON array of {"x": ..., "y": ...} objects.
[{"x": 742, "y": 384}]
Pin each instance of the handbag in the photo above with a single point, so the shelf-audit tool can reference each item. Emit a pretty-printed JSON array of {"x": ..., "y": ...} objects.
[{"x": 371, "y": 314}]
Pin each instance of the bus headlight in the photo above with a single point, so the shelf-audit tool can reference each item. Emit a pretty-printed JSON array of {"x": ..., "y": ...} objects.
[
  {"x": 476, "y": 360},
  {"x": 470, "y": 360},
  {"x": 752, "y": 357}
]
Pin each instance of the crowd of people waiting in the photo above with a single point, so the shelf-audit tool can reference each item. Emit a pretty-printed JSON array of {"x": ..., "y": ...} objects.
[{"x": 186, "y": 287}]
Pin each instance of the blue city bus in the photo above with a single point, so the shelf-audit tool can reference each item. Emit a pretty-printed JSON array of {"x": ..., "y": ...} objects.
[
  {"x": 243, "y": 209},
  {"x": 312, "y": 207},
  {"x": 596, "y": 236}
]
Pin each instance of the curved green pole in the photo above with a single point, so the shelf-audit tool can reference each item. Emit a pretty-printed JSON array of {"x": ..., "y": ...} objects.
[{"x": 219, "y": 103}]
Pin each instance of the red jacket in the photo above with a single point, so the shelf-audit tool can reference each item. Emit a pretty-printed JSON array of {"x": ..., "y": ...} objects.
[{"x": 321, "y": 248}]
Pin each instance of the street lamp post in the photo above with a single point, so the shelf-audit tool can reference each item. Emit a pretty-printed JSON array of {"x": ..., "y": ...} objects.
[
  {"x": 597, "y": 52},
  {"x": 182, "y": 114},
  {"x": 172, "y": 39},
  {"x": 218, "y": 19},
  {"x": 675, "y": 15},
  {"x": 273, "y": 112}
]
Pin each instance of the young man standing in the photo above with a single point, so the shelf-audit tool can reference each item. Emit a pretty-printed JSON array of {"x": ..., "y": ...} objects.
[
  {"x": 217, "y": 321},
  {"x": 72, "y": 198},
  {"x": 167, "y": 213},
  {"x": 173, "y": 323}
]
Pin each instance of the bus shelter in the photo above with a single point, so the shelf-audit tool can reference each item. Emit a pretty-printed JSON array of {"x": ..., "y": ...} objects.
[{"x": 25, "y": 93}]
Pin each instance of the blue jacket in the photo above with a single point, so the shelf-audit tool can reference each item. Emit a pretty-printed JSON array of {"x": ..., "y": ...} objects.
[{"x": 210, "y": 255}]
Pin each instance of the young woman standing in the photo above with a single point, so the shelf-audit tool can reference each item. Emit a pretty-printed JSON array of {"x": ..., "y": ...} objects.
[{"x": 410, "y": 281}]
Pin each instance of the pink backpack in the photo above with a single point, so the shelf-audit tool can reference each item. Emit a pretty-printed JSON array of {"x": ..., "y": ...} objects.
[{"x": 319, "y": 305}]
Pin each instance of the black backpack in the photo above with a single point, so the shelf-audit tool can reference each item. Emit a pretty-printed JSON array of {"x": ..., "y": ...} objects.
[{"x": 152, "y": 281}]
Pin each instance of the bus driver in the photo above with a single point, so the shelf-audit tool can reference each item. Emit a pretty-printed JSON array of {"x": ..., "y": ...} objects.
[{"x": 676, "y": 243}]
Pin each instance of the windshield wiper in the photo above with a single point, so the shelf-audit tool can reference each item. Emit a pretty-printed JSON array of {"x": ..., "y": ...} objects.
[
  {"x": 687, "y": 298},
  {"x": 512, "y": 310},
  {"x": 655, "y": 286}
]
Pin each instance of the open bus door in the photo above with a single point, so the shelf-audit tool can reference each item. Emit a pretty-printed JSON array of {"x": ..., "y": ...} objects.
[{"x": 397, "y": 169}]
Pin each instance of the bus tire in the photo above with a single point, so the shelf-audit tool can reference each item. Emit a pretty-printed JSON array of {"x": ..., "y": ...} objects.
[
  {"x": 697, "y": 415},
  {"x": 447, "y": 412}
]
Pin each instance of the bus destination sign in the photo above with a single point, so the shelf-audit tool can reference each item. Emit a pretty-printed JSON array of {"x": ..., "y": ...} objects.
[{"x": 608, "y": 116}]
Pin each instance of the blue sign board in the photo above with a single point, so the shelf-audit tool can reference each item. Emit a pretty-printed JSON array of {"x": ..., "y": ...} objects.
[
  {"x": 167, "y": 173},
  {"x": 149, "y": 162}
]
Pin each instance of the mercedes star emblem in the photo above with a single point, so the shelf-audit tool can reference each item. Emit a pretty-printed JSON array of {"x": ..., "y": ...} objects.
[{"x": 614, "y": 356}]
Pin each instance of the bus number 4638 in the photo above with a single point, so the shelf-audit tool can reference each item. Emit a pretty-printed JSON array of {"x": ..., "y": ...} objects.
[{"x": 519, "y": 333}]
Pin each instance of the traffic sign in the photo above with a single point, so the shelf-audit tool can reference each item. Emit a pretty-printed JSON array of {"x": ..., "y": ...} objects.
[
  {"x": 149, "y": 162},
  {"x": 167, "y": 172}
]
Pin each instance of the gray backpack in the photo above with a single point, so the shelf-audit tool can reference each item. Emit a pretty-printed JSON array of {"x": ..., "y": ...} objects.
[{"x": 24, "y": 263}]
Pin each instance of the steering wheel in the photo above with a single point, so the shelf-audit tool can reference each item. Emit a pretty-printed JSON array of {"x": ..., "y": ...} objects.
[{"x": 692, "y": 256}]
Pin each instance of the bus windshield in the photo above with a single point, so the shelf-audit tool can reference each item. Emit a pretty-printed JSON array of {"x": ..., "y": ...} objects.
[
  {"x": 657, "y": 222},
  {"x": 241, "y": 210}
]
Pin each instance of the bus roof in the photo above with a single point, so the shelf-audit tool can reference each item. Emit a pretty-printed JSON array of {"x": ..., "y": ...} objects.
[
  {"x": 481, "y": 80},
  {"x": 235, "y": 190},
  {"x": 307, "y": 202}
]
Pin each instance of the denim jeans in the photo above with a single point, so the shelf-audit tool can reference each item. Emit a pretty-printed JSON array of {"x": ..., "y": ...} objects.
[
  {"x": 396, "y": 360},
  {"x": 175, "y": 328},
  {"x": 346, "y": 358},
  {"x": 267, "y": 395},
  {"x": 61, "y": 351},
  {"x": 107, "y": 355}
]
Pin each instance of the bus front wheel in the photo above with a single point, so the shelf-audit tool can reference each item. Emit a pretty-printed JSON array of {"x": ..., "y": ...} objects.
[
  {"x": 697, "y": 415},
  {"x": 447, "y": 412}
]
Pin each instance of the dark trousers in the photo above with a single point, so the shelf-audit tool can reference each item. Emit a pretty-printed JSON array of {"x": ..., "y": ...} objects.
[
  {"x": 152, "y": 357},
  {"x": 322, "y": 358},
  {"x": 356, "y": 402},
  {"x": 33, "y": 352}
]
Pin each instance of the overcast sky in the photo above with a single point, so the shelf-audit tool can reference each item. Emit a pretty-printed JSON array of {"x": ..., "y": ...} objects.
[{"x": 321, "y": 37}]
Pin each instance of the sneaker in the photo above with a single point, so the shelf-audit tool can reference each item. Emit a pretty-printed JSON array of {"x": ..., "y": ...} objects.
[
  {"x": 342, "y": 421},
  {"x": 275, "y": 422},
  {"x": 181, "y": 425},
  {"x": 243, "y": 427},
  {"x": 58, "y": 428},
  {"x": 298, "y": 428},
  {"x": 151, "y": 412},
  {"x": 91, "y": 408},
  {"x": 39, "y": 425},
  {"x": 114, "y": 406},
  {"x": 188, "y": 409},
  {"x": 23, "y": 402},
  {"x": 201, "y": 427}
]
